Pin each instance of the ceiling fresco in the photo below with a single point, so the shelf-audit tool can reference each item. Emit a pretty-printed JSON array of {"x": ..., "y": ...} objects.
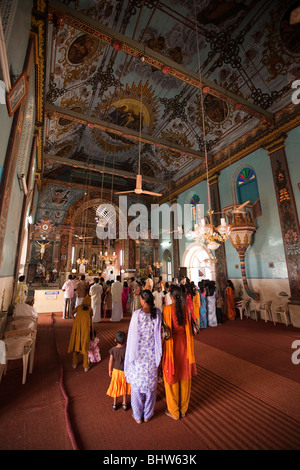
[{"x": 187, "y": 79}]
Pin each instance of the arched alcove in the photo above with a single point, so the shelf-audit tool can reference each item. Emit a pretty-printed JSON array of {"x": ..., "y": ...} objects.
[{"x": 198, "y": 260}]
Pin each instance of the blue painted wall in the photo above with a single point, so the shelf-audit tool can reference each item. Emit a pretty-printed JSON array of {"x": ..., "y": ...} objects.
[
  {"x": 267, "y": 246},
  {"x": 293, "y": 157}
]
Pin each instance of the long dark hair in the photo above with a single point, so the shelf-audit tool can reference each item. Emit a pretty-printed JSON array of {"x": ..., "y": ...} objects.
[
  {"x": 229, "y": 282},
  {"x": 149, "y": 299},
  {"x": 176, "y": 293},
  {"x": 211, "y": 288}
]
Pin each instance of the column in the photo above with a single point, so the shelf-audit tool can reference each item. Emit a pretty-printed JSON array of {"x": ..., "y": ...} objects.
[
  {"x": 289, "y": 222},
  {"x": 66, "y": 240},
  {"x": 221, "y": 265},
  {"x": 175, "y": 242}
]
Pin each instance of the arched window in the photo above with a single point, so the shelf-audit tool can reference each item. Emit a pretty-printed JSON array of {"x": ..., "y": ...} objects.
[
  {"x": 246, "y": 186},
  {"x": 196, "y": 216}
]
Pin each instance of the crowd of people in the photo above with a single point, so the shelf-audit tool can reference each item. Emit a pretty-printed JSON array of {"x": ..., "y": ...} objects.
[{"x": 137, "y": 365}]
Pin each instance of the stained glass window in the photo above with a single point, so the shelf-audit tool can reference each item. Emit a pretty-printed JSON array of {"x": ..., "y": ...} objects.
[
  {"x": 246, "y": 186},
  {"x": 195, "y": 200},
  {"x": 245, "y": 176},
  {"x": 195, "y": 213}
]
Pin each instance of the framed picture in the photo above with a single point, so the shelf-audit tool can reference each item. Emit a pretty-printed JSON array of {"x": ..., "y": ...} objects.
[
  {"x": 17, "y": 94},
  {"x": 146, "y": 256}
]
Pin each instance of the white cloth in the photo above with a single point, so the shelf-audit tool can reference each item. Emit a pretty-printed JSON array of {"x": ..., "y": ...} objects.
[
  {"x": 117, "y": 308},
  {"x": 96, "y": 313},
  {"x": 78, "y": 301},
  {"x": 116, "y": 311},
  {"x": 116, "y": 291},
  {"x": 96, "y": 295},
  {"x": 25, "y": 310},
  {"x": 168, "y": 299},
  {"x": 2, "y": 352}
]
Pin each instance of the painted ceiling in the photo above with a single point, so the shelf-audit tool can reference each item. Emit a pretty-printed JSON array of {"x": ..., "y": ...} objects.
[{"x": 180, "y": 81}]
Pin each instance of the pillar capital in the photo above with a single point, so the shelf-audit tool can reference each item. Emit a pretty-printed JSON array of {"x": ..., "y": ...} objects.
[
  {"x": 276, "y": 144},
  {"x": 214, "y": 178}
]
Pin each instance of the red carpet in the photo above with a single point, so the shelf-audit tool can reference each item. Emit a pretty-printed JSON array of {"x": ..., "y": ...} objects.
[{"x": 245, "y": 396}]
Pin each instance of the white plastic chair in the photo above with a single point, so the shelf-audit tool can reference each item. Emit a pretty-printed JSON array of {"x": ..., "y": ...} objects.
[
  {"x": 265, "y": 311},
  {"x": 24, "y": 334},
  {"x": 281, "y": 310},
  {"x": 17, "y": 348},
  {"x": 242, "y": 306},
  {"x": 22, "y": 324}
]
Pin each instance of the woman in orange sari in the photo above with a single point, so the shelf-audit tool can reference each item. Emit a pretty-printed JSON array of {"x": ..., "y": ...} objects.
[
  {"x": 178, "y": 356},
  {"x": 231, "y": 313}
]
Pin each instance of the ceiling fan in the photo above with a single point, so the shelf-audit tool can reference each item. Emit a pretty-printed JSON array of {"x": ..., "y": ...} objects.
[
  {"x": 238, "y": 210},
  {"x": 138, "y": 186},
  {"x": 179, "y": 229},
  {"x": 82, "y": 237}
]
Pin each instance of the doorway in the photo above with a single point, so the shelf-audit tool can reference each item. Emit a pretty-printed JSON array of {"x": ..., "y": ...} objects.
[{"x": 197, "y": 259}]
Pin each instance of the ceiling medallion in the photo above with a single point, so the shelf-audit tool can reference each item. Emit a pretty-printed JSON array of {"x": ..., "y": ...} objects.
[
  {"x": 122, "y": 107},
  {"x": 76, "y": 55}
]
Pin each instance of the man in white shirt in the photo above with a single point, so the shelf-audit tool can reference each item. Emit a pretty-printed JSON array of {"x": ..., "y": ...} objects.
[
  {"x": 158, "y": 298},
  {"x": 116, "y": 292},
  {"x": 69, "y": 291},
  {"x": 96, "y": 296},
  {"x": 26, "y": 310}
]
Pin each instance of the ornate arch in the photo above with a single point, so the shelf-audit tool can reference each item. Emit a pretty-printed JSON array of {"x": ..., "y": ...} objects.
[{"x": 83, "y": 203}]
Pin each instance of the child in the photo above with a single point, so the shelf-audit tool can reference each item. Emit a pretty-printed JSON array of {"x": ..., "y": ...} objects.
[
  {"x": 94, "y": 352},
  {"x": 118, "y": 386}
]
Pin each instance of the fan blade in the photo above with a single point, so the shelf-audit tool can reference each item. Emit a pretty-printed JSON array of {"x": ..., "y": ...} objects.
[
  {"x": 125, "y": 192},
  {"x": 151, "y": 194},
  {"x": 242, "y": 205}
]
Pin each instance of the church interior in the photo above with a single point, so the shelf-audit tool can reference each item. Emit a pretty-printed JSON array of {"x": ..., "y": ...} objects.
[{"x": 183, "y": 113}]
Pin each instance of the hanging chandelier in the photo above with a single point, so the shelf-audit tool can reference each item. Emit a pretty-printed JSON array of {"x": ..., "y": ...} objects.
[
  {"x": 82, "y": 261},
  {"x": 212, "y": 236},
  {"x": 209, "y": 234},
  {"x": 108, "y": 257},
  {"x": 157, "y": 264}
]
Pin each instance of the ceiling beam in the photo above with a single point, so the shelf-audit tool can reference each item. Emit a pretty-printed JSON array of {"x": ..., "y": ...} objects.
[
  {"x": 101, "y": 169},
  {"x": 91, "y": 121},
  {"x": 138, "y": 50}
]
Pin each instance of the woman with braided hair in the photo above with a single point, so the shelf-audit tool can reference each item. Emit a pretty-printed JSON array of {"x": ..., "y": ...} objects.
[
  {"x": 143, "y": 356},
  {"x": 178, "y": 356}
]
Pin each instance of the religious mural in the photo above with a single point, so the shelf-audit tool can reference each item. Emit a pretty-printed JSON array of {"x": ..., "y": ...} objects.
[
  {"x": 55, "y": 200},
  {"x": 146, "y": 256}
]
